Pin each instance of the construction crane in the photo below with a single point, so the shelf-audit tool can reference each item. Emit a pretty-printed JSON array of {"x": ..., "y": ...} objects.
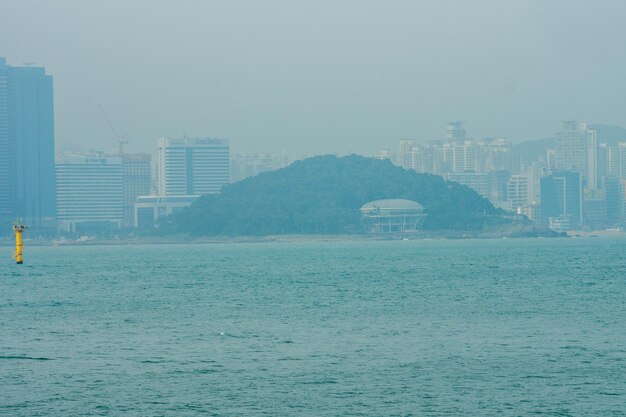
[{"x": 120, "y": 140}]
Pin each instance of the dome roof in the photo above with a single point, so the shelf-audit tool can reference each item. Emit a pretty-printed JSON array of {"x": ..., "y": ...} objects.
[{"x": 392, "y": 204}]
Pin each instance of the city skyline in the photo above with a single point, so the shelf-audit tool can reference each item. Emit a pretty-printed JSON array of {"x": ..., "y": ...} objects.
[{"x": 99, "y": 191}]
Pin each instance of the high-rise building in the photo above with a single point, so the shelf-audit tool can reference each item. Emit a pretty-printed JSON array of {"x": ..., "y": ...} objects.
[
  {"x": 415, "y": 157},
  {"x": 562, "y": 199},
  {"x": 467, "y": 157},
  {"x": 499, "y": 155},
  {"x": 498, "y": 187},
  {"x": 192, "y": 166},
  {"x": 27, "y": 175},
  {"x": 595, "y": 214},
  {"x": 478, "y": 181},
  {"x": 405, "y": 154},
  {"x": 534, "y": 172},
  {"x": 603, "y": 160},
  {"x": 614, "y": 194},
  {"x": 136, "y": 181},
  {"x": 551, "y": 160},
  {"x": 616, "y": 161},
  {"x": 89, "y": 193},
  {"x": 577, "y": 150},
  {"x": 517, "y": 191},
  {"x": 443, "y": 158},
  {"x": 454, "y": 132}
]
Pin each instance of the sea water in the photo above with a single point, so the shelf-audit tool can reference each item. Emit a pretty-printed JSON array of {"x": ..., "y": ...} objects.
[{"x": 408, "y": 328}]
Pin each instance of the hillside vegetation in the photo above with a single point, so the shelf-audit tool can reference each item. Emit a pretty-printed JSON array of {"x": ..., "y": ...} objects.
[{"x": 323, "y": 195}]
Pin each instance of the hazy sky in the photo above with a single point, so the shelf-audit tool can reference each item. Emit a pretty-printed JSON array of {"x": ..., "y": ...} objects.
[{"x": 321, "y": 76}]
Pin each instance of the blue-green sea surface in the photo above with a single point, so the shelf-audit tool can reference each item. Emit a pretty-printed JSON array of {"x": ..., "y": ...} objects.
[{"x": 407, "y": 328}]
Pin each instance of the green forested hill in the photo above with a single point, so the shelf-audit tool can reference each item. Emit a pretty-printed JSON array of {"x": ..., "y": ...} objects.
[{"x": 323, "y": 195}]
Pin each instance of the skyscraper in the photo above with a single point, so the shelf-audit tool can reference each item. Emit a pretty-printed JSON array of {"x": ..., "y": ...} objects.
[
  {"x": 499, "y": 155},
  {"x": 577, "y": 150},
  {"x": 616, "y": 161},
  {"x": 562, "y": 199},
  {"x": 467, "y": 157},
  {"x": 517, "y": 191},
  {"x": 27, "y": 175},
  {"x": 192, "y": 166}
]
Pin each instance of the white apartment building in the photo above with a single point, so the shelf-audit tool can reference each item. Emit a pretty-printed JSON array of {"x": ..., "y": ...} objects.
[
  {"x": 615, "y": 161},
  {"x": 192, "y": 166},
  {"x": 89, "y": 193},
  {"x": 577, "y": 150},
  {"x": 517, "y": 191},
  {"x": 478, "y": 181}
]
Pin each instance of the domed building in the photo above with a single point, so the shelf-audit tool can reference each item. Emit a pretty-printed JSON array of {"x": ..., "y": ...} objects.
[{"x": 392, "y": 216}]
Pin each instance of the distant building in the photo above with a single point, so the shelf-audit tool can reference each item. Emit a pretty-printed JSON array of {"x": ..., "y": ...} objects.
[
  {"x": 534, "y": 172},
  {"x": 560, "y": 223},
  {"x": 478, "y": 181},
  {"x": 576, "y": 150},
  {"x": 89, "y": 193},
  {"x": 603, "y": 159},
  {"x": 595, "y": 215},
  {"x": 467, "y": 157},
  {"x": 191, "y": 166},
  {"x": 148, "y": 209},
  {"x": 551, "y": 160},
  {"x": 248, "y": 165},
  {"x": 615, "y": 160},
  {"x": 498, "y": 186},
  {"x": 562, "y": 199},
  {"x": 499, "y": 155},
  {"x": 27, "y": 175},
  {"x": 136, "y": 181},
  {"x": 386, "y": 154},
  {"x": 392, "y": 216},
  {"x": 459, "y": 155},
  {"x": 532, "y": 211},
  {"x": 614, "y": 194},
  {"x": 415, "y": 157},
  {"x": 518, "y": 192},
  {"x": 443, "y": 158},
  {"x": 454, "y": 132}
]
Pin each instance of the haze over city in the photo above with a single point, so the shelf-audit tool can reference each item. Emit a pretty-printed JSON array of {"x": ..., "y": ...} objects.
[
  {"x": 312, "y": 208},
  {"x": 320, "y": 77}
]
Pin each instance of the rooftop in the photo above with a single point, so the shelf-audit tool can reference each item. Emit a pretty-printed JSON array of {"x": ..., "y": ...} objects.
[{"x": 392, "y": 204}]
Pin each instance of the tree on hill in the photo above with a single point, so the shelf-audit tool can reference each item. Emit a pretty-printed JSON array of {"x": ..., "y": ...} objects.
[{"x": 323, "y": 195}]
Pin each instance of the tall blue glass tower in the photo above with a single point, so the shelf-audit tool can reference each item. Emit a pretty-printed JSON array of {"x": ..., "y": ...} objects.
[{"x": 27, "y": 174}]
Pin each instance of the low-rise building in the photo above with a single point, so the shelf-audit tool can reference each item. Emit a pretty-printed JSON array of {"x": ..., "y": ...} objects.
[
  {"x": 392, "y": 216},
  {"x": 149, "y": 208}
]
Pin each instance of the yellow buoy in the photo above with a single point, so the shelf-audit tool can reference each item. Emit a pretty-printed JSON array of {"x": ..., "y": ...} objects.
[{"x": 18, "y": 228}]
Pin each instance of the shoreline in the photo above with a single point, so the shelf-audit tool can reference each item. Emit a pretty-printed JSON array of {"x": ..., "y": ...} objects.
[{"x": 297, "y": 238}]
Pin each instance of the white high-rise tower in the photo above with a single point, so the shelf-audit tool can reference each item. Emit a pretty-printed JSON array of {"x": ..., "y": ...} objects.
[
  {"x": 192, "y": 166},
  {"x": 577, "y": 150}
]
